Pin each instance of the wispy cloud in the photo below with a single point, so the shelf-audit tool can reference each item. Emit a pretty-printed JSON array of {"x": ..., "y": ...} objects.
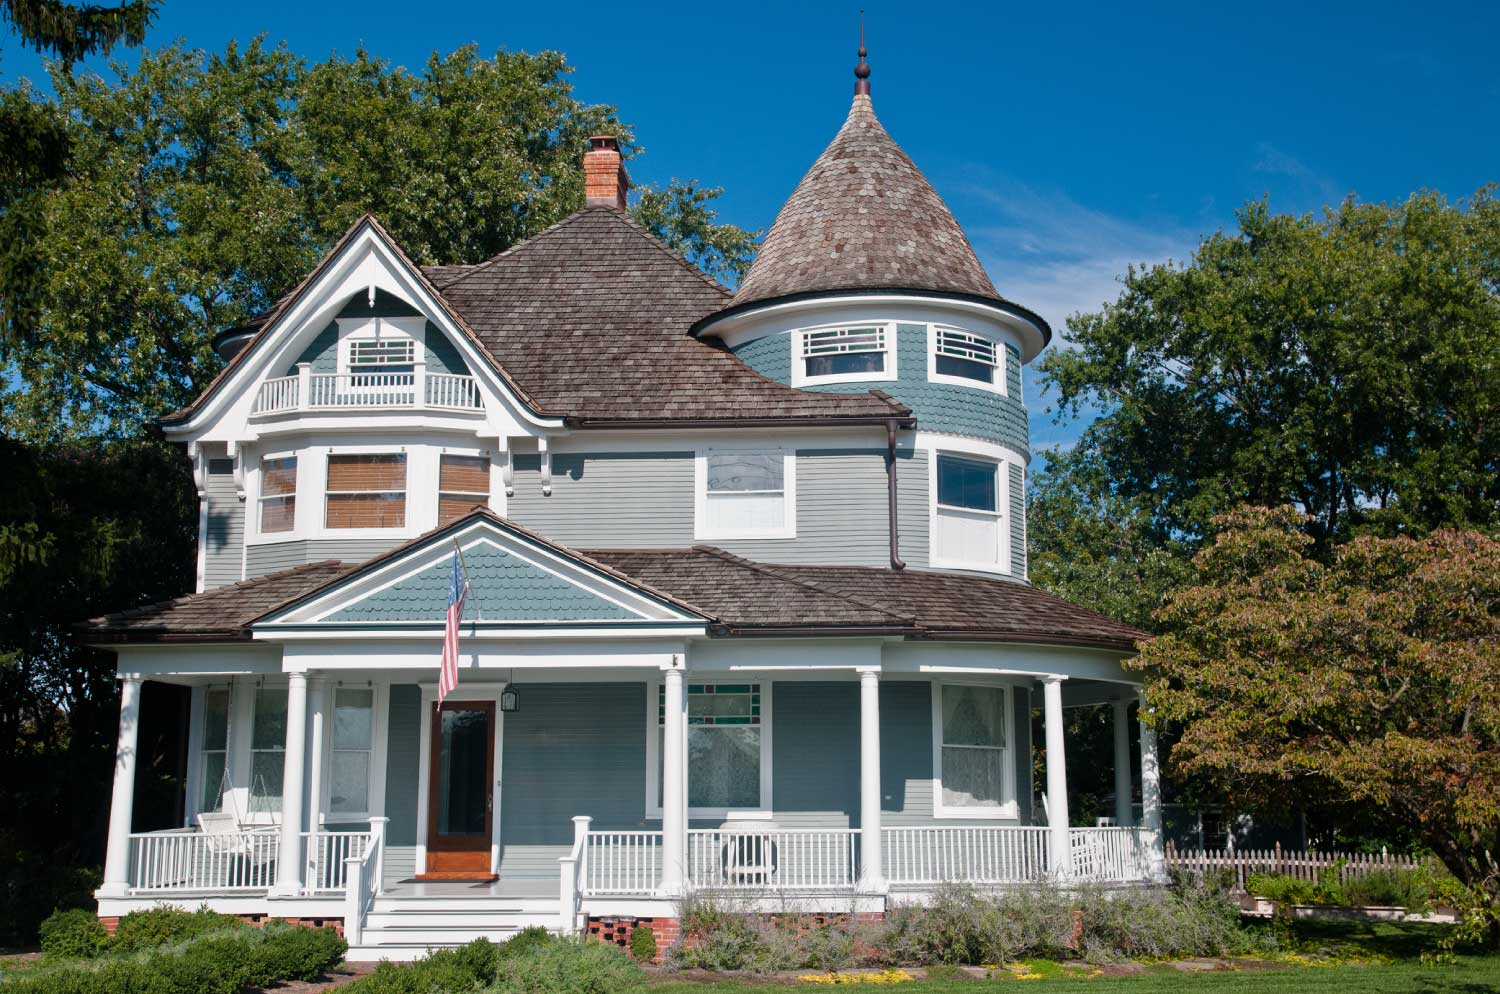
[{"x": 1306, "y": 182}]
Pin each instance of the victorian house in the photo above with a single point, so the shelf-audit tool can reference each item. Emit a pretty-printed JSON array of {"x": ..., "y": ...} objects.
[{"x": 748, "y": 606}]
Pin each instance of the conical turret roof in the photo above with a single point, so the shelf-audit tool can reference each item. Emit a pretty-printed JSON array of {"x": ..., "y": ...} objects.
[{"x": 864, "y": 218}]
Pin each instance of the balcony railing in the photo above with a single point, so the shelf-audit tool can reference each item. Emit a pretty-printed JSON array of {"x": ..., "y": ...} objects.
[{"x": 308, "y": 391}]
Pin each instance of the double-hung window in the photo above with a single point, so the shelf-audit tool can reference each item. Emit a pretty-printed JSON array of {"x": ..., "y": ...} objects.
[
  {"x": 745, "y": 493},
  {"x": 972, "y": 757},
  {"x": 727, "y": 748},
  {"x": 966, "y": 526},
  {"x": 366, "y": 491},
  {"x": 966, "y": 359},
  {"x": 463, "y": 484},
  {"x": 278, "y": 494},
  {"x": 353, "y": 742},
  {"x": 215, "y": 748},
  {"x": 267, "y": 749},
  {"x": 832, "y": 355}
]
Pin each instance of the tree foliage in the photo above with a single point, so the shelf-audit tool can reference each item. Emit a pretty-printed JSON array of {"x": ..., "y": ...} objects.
[
  {"x": 1368, "y": 677},
  {"x": 199, "y": 188},
  {"x": 69, "y": 31},
  {"x": 1343, "y": 363}
]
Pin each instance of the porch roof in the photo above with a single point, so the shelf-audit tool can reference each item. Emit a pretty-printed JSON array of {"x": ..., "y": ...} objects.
[{"x": 739, "y": 598}]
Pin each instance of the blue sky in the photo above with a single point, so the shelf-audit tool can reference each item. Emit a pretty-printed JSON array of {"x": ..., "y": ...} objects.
[{"x": 1069, "y": 139}]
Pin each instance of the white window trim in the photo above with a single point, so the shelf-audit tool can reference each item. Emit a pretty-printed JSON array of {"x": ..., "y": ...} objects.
[
  {"x": 654, "y": 760},
  {"x": 380, "y": 701},
  {"x": 1001, "y": 514},
  {"x": 701, "y": 529},
  {"x": 798, "y": 341},
  {"x": 1009, "y": 811},
  {"x": 1001, "y": 385}
]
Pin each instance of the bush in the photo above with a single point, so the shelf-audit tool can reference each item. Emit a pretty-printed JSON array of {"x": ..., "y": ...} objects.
[
  {"x": 720, "y": 935},
  {"x": 73, "y": 934},
  {"x": 293, "y": 952},
  {"x": 569, "y": 967},
  {"x": 643, "y": 944},
  {"x": 472, "y": 967},
  {"x": 527, "y": 941},
  {"x": 167, "y": 925}
]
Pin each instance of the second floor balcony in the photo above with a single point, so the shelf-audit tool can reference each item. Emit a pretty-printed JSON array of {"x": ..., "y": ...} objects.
[{"x": 413, "y": 389}]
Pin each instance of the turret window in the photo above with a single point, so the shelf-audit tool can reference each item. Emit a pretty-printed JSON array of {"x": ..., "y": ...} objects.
[
  {"x": 844, "y": 354},
  {"x": 967, "y": 522},
  {"x": 965, "y": 359}
]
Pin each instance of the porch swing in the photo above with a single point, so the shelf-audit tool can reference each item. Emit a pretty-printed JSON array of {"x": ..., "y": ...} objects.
[{"x": 226, "y": 833}]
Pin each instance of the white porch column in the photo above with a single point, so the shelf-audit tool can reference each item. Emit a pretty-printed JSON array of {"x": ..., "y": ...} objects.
[
  {"x": 673, "y": 801},
  {"x": 872, "y": 872},
  {"x": 1124, "y": 810},
  {"x": 1151, "y": 794},
  {"x": 1060, "y": 850},
  {"x": 116, "y": 881},
  {"x": 318, "y": 698},
  {"x": 289, "y": 858}
]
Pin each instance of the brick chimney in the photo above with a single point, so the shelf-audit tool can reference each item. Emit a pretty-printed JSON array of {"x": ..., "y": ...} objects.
[{"x": 605, "y": 181}]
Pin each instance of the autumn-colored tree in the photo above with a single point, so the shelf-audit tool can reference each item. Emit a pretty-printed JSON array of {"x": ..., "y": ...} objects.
[{"x": 1368, "y": 676}]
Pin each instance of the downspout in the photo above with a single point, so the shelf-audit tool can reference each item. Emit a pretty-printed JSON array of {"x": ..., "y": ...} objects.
[{"x": 890, "y": 492}]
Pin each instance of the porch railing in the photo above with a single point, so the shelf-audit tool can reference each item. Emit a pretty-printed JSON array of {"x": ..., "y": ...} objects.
[
  {"x": 188, "y": 861},
  {"x": 622, "y": 862},
  {"x": 971, "y": 854},
  {"x": 1115, "y": 854},
  {"x": 341, "y": 391},
  {"x": 752, "y": 859},
  {"x": 362, "y": 876},
  {"x": 327, "y": 855}
]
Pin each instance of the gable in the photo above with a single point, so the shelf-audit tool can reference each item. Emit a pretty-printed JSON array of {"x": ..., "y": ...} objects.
[
  {"x": 517, "y": 580},
  {"x": 502, "y": 587}
]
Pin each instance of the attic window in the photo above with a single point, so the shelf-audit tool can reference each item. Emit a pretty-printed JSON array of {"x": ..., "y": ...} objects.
[
  {"x": 847, "y": 354},
  {"x": 370, "y": 354}
]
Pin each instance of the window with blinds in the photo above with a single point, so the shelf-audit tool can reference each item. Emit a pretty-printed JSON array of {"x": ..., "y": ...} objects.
[
  {"x": 278, "y": 494},
  {"x": 463, "y": 484},
  {"x": 366, "y": 491}
]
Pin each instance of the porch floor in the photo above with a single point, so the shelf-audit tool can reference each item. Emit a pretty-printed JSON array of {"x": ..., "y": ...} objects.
[{"x": 502, "y": 888}]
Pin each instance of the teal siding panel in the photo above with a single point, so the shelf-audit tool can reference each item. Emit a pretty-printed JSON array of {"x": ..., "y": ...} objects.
[
  {"x": 1017, "y": 522},
  {"x": 608, "y": 500},
  {"x": 322, "y": 353},
  {"x": 938, "y": 406},
  {"x": 912, "y": 513},
  {"x": 223, "y": 537},
  {"x": 1013, "y": 371},
  {"x": 402, "y": 769},
  {"x": 442, "y": 356},
  {"x": 815, "y": 754},
  {"x": 505, "y": 588},
  {"x": 572, "y": 749},
  {"x": 842, "y": 513}
]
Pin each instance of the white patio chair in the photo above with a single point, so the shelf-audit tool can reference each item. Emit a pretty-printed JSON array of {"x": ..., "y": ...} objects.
[
  {"x": 1088, "y": 856},
  {"x": 748, "y": 854}
]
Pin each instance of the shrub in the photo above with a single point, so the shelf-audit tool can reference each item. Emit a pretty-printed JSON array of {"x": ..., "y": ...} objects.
[
  {"x": 527, "y": 941},
  {"x": 643, "y": 944},
  {"x": 472, "y": 967},
  {"x": 167, "y": 925},
  {"x": 295, "y": 952},
  {"x": 73, "y": 934},
  {"x": 569, "y": 967},
  {"x": 721, "y": 935},
  {"x": 1281, "y": 889}
]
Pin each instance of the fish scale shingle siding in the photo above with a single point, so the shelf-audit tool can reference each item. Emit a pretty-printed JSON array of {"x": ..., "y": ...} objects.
[
  {"x": 322, "y": 352},
  {"x": 940, "y": 407}
]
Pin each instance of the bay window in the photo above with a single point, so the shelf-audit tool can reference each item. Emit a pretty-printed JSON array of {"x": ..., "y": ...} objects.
[
  {"x": 278, "y": 494},
  {"x": 728, "y": 748},
  {"x": 972, "y": 759},
  {"x": 745, "y": 493},
  {"x": 463, "y": 484},
  {"x": 366, "y": 491},
  {"x": 966, "y": 525}
]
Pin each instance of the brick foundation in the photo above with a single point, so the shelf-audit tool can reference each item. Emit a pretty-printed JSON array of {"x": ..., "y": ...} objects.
[
  {"x": 616, "y": 929},
  {"x": 112, "y": 922}
]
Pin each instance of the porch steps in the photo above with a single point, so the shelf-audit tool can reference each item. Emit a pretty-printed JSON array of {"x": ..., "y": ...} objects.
[{"x": 407, "y": 928}]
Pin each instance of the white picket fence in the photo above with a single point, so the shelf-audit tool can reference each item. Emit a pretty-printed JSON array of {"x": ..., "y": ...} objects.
[{"x": 1295, "y": 863}]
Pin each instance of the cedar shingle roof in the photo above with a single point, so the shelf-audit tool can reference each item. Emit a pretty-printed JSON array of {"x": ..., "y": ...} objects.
[
  {"x": 593, "y": 318},
  {"x": 740, "y": 596},
  {"x": 214, "y": 615},
  {"x": 864, "y": 218}
]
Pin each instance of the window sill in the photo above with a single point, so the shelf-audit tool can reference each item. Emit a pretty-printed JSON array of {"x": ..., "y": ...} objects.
[
  {"x": 1005, "y": 812},
  {"x": 884, "y": 376},
  {"x": 963, "y": 381},
  {"x": 998, "y": 569},
  {"x": 712, "y": 536}
]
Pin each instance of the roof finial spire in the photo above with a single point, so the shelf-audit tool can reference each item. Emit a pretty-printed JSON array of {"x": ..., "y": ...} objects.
[{"x": 862, "y": 71}]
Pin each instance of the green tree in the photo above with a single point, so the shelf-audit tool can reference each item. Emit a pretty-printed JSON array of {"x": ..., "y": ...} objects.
[
  {"x": 68, "y": 31},
  {"x": 199, "y": 188},
  {"x": 1367, "y": 677},
  {"x": 1342, "y": 363}
]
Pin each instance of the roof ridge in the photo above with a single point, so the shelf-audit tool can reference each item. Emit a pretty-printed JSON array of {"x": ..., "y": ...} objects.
[{"x": 770, "y": 570}]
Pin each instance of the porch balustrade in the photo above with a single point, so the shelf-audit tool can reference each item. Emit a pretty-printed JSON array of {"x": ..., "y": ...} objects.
[
  {"x": 187, "y": 861},
  {"x": 773, "y": 860},
  {"x": 978, "y": 855},
  {"x": 366, "y": 391}
]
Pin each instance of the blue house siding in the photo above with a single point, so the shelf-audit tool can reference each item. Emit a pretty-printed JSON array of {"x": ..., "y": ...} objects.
[
  {"x": 1017, "y": 522},
  {"x": 402, "y": 768},
  {"x": 572, "y": 749},
  {"x": 815, "y": 754},
  {"x": 274, "y": 556},
  {"x": 940, "y": 407},
  {"x": 224, "y": 529}
]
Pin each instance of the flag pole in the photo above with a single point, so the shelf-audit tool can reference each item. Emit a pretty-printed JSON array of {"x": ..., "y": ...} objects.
[{"x": 478, "y": 605}]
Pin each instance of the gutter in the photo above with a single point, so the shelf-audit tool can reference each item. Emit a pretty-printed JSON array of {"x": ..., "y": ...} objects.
[
  {"x": 862, "y": 420},
  {"x": 811, "y": 631},
  {"x": 890, "y": 493}
]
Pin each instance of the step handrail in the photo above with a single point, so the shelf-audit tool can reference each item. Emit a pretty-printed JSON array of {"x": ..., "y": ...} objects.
[
  {"x": 362, "y": 882},
  {"x": 570, "y": 885}
]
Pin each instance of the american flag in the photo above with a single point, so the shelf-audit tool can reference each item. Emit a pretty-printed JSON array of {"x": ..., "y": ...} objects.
[{"x": 458, "y": 591}]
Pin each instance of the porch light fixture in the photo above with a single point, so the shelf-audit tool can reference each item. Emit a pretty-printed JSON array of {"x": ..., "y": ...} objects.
[{"x": 509, "y": 699}]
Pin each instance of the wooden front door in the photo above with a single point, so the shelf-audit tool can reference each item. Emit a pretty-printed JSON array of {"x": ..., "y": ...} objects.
[{"x": 461, "y": 791}]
